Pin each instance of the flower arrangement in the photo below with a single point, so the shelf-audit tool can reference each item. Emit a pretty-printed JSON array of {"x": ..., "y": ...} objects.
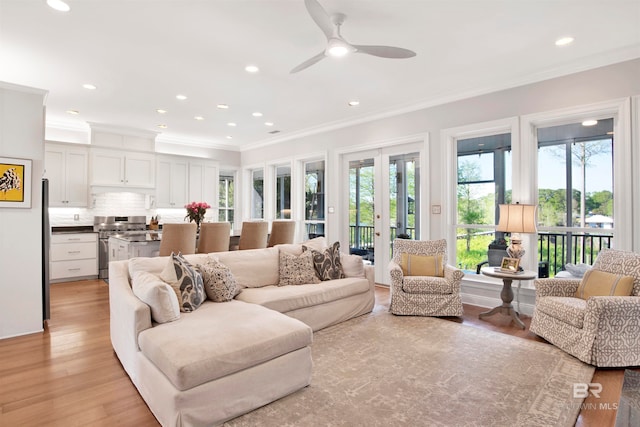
[{"x": 196, "y": 212}]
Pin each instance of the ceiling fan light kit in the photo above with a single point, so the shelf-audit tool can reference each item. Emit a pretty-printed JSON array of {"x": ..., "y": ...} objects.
[{"x": 337, "y": 46}]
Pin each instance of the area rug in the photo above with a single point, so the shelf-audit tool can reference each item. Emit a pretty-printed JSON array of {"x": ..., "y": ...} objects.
[{"x": 386, "y": 370}]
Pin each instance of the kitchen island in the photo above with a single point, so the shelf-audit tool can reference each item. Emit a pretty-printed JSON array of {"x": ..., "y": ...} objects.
[{"x": 134, "y": 244}]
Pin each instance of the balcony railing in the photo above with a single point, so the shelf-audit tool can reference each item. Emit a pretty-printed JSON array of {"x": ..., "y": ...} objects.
[{"x": 362, "y": 236}]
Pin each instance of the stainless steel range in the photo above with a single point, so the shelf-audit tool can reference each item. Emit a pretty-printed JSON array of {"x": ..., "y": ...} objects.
[{"x": 107, "y": 226}]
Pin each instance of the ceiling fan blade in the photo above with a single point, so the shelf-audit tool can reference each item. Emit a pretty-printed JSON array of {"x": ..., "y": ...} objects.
[
  {"x": 385, "y": 51},
  {"x": 309, "y": 62},
  {"x": 320, "y": 17}
]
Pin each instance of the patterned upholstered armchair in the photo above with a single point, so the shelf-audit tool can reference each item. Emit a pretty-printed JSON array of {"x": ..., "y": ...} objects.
[
  {"x": 424, "y": 295},
  {"x": 602, "y": 330}
]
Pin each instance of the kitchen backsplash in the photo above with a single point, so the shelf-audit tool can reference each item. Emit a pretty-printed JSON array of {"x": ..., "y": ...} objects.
[{"x": 105, "y": 204}]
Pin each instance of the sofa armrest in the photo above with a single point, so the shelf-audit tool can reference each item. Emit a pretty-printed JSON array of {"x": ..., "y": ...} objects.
[
  {"x": 452, "y": 274},
  {"x": 370, "y": 275},
  {"x": 395, "y": 271},
  {"x": 128, "y": 315},
  {"x": 556, "y": 287}
]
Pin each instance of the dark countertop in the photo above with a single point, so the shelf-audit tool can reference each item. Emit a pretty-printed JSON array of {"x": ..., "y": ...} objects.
[{"x": 72, "y": 229}]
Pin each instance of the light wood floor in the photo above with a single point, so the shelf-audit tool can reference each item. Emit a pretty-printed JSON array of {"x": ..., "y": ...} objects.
[{"x": 70, "y": 376}]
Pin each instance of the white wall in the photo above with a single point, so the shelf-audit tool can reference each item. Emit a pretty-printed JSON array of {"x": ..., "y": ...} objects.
[
  {"x": 600, "y": 84},
  {"x": 22, "y": 136}
]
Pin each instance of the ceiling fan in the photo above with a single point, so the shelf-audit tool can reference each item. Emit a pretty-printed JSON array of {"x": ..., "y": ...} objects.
[{"x": 337, "y": 45}]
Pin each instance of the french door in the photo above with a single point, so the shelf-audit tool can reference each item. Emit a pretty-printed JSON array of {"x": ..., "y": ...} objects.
[{"x": 383, "y": 202}]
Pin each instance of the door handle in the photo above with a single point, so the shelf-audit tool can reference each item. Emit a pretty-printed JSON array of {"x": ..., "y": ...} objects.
[{"x": 378, "y": 233}]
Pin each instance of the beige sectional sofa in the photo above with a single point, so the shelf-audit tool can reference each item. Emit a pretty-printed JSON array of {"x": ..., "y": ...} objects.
[{"x": 225, "y": 359}]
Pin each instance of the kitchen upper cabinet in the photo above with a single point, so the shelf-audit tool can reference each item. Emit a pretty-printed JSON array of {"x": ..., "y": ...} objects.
[
  {"x": 115, "y": 168},
  {"x": 172, "y": 182},
  {"x": 203, "y": 182},
  {"x": 66, "y": 167}
]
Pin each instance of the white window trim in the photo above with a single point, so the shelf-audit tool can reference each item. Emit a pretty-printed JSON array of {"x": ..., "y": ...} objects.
[{"x": 620, "y": 110}]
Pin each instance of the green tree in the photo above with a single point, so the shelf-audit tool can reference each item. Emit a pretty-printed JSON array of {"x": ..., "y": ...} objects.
[{"x": 470, "y": 209}]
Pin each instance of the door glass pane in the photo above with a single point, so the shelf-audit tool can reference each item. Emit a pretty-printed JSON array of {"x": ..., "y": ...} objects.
[
  {"x": 257, "y": 194},
  {"x": 314, "y": 184},
  {"x": 404, "y": 203},
  {"x": 225, "y": 196},
  {"x": 361, "y": 208},
  {"x": 484, "y": 182},
  {"x": 579, "y": 158},
  {"x": 283, "y": 192}
]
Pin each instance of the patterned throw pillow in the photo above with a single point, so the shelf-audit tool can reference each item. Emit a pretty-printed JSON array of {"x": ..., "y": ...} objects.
[
  {"x": 601, "y": 283},
  {"x": 219, "y": 283},
  {"x": 422, "y": 265},
  {"x": 327, "y": 263},
  {"x": 297, "y": 269},
  {"x": 185, "y": 281}
]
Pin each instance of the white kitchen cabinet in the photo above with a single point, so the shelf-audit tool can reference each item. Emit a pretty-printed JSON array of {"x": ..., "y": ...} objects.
[
  {"x": 73, "y": 256},
  {"x": 172, "y": 181},
  {"x": 122, "y": 248},
  {"x": 115, "y": 168},
  {"x": 203, "y": 182},
  {"x": 66, "y": 167}
]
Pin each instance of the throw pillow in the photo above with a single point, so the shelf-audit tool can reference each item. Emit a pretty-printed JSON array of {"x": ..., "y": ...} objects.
[
  {"x": 219, "y": 283},
  {"x": 327, "y": 263},
  {"x": 185, "y": 281},
  {"x": 577, "y": 270},
  {"x": 158, "y": 295},
  {"x": 352, "y": 265},
  {"x": 601, "y": 283},
  {"x": 422, "y": 265},
  {"x": 297, "y": 270}
]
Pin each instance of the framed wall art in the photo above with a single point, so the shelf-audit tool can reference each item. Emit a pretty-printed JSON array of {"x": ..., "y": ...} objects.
[{"x": 15, "y": 183}]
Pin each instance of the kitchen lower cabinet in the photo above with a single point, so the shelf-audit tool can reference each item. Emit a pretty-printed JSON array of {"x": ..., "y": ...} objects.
[{"x": 73, "y": 256}]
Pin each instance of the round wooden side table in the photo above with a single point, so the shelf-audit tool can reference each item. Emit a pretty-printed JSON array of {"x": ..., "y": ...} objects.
[{"x": 507, "y": 292}]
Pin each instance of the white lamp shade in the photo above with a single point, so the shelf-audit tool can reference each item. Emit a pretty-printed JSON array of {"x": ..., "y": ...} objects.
[{"x": 517, "y": 218}]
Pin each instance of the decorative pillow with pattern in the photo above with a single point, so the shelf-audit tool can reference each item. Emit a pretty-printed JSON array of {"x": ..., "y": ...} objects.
[
  {"x": 219, "y": 283},
  {"x": 297, "y": 269},
  {"x": 185, "y": 281},
  {"x": 327, "y": 263}
]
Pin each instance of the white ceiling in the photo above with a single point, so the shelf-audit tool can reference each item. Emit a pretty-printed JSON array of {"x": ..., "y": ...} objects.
[{"x": 142, "y": 53}]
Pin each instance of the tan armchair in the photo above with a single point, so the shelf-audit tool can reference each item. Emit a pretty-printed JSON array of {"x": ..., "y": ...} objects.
[
  {"x": 424, "y": 295},
  {"x": 602, "y": 330}
]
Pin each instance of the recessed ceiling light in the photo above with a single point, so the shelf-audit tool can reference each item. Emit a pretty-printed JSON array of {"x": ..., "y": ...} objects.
[
  {"x": 268, "y": 123},
  {"x": 563, "y": 41},
  {"x": 89, "y": 86},
  {"x": 181, "y": 97},
  {"x": 223, "y": 106},
  {"x": 251, "y": 69},
  {"x": 163, "y": 126},
  {"x": 231, "y": 124},
  {"x": 229, "y": 137},
  {"x": 353, "y": 103},
  {"x": 74, "y": 112},
  {"x": 58, "y": 5},
  {"x": 199, "y": 118},
  {"x": 257, "y": 114},
  {"x": 161, "y": 111},
  {"x": 590, "y": 122}
]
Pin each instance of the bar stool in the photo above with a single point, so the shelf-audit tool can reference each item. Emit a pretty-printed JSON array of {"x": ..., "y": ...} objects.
[
  {"x": 214, "y": 237},
  {"x": 180, "y": 237},
  {"x": 253, "y": 235},
  {"x": 281, "y": 232}
]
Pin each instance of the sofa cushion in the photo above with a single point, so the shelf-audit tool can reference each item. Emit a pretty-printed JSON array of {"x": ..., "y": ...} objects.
[
  {"x": 158, "y": 295},
  {"x": 219, "y": 339},
  {"x": 288, "y": 298},
  {"x": 155, "y": 265},
  {"x": 252, "y": 268},
  {"x": 601, "y": 283},
  {"x": 319, "y": 244},
  {"x": 427, "y": 285},
  {"x": 566, "y": 309},
  {"x": 297, "y": 269},
  {"x": 422, "y": 265},
  {"x": 352, "y": 265},
  {"x": 185, "y": 281},
  {"x": 327, "y": 263},
  {"x": 219, "y": 283}
]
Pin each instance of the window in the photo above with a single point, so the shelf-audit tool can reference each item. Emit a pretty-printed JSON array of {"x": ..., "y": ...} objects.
[
  {"x": 226, "y": 190},
  {"x": 283, "y": 192},
  {"x": 257, "y": 193},
  {"x": 575, "y": 192},
  {"x": 484, "y": 182},
  {"x": 314, "y": 184}
]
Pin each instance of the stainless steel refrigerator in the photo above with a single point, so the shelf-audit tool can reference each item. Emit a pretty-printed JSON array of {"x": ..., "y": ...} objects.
[{"x": 46, "y": 242}]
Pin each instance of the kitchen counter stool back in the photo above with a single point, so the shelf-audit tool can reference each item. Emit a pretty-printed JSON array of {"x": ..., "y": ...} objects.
[
  {"x": 177, "y": 238},
  {"x": 214, "y": 237}
]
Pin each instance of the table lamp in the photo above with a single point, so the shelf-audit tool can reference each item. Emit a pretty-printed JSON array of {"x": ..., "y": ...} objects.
[{"x": 516, "y": 219}]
